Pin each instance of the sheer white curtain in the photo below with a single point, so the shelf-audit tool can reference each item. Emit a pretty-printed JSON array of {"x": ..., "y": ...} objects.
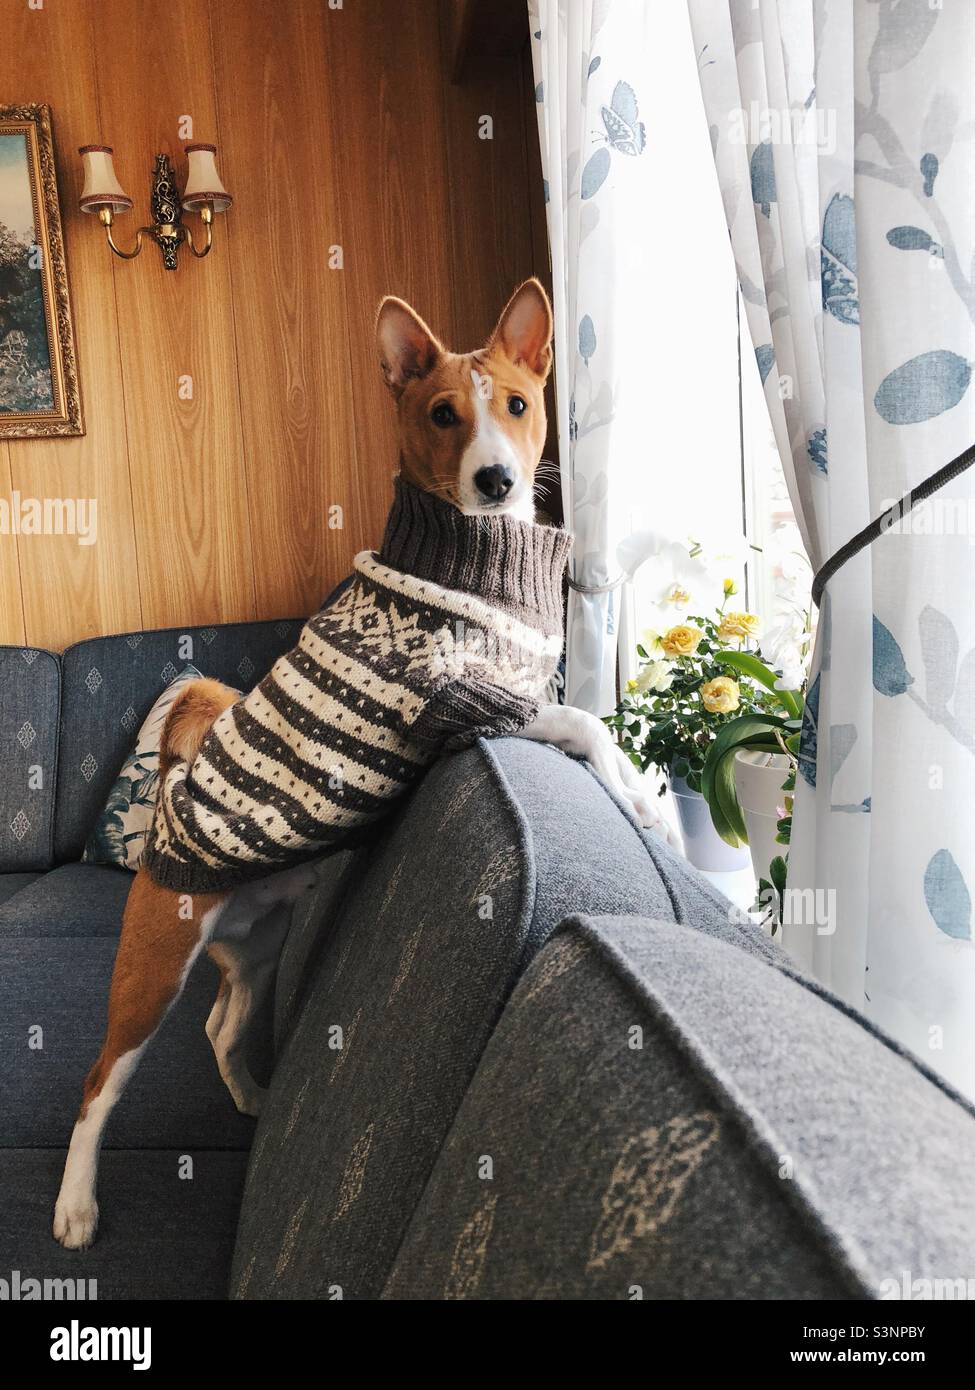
[
  {"x": 843, "y": 139},
  {"x": 589, "y": 61}
]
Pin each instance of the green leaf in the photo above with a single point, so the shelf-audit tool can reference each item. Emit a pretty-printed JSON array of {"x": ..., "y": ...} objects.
[
  {"x": 725, "y": 831},
  {"x": 724, "y": 794},
  {"x": 718, "y": 775},
  {"x": 745, "y": 731},
  {"x": 778, "y": 869}
]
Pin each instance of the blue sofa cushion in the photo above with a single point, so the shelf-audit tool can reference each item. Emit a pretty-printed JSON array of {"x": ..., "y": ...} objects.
[
  {"x": 11, "y": 884},
  {"x": 60, "y": 986},
  {"x": 666, "y": 1117},
  {"x": 109, "y": 684},
  {"x": 162, "y": 1234},
  {"x": 75, "y": 900},
  {"x": 433, "y": 926},
  {"x": 30, "y": 693}
]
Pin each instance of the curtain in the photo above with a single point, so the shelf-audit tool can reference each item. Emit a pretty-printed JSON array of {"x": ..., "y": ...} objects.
[
  {"x": 843, "y": 140},
  {"x": 589, "y": 69}
]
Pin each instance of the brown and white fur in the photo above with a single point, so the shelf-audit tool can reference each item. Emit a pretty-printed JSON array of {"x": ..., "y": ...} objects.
[{"x": 465, "y": 436}]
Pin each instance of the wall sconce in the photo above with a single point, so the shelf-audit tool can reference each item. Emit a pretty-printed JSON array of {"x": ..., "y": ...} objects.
[{"x": 204, "y": 193}]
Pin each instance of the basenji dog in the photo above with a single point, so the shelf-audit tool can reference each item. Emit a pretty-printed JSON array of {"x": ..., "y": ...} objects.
[{"x": 480, "y": 450}]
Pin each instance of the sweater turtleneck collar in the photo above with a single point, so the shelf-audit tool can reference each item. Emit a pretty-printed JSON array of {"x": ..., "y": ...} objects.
[{"x": 515, "y": 565}]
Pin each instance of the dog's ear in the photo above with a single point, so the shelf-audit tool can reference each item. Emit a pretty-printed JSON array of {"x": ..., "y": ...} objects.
[
  {"x": 407, "y": 348},
  {"x": 524, "y": 331}
]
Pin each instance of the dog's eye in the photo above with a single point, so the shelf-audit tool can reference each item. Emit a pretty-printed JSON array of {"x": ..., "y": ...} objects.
[
  {"x": 516, "y": 406},
  {"x": 443, "y": 416}
]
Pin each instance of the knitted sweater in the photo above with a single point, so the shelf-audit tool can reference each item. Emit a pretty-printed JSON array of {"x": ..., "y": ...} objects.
[{"x": 451, "y": 632}]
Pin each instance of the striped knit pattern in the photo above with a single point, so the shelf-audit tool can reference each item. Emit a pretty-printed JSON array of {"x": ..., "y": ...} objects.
[{"x": 450, "y": 633}]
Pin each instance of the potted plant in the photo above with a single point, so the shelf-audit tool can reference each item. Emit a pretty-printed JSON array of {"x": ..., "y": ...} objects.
[
  {"x": 683, "y": 696},
  {"x": 749, "y": 776}
]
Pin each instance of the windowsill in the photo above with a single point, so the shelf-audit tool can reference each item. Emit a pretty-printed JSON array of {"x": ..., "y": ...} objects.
[{"x": 739, "y": 885}]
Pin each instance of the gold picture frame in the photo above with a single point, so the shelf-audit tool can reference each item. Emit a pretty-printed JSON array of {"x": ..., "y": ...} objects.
[{"x": 39, "y": 393}]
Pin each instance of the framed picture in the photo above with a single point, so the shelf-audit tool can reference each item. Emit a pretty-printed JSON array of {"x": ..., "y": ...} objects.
[{"x": 39, "y": 393}]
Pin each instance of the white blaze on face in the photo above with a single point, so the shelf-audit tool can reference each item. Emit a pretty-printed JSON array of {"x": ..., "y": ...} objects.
[{"x": 490, "y": 447}]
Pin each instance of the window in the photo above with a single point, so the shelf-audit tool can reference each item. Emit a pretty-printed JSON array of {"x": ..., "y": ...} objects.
[{"x": 704, "y": 465}]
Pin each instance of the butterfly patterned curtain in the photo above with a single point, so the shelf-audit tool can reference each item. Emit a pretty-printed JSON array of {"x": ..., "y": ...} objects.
[
  {"x": 844, "y": 139},
  {"x": 587, "y": 57}
]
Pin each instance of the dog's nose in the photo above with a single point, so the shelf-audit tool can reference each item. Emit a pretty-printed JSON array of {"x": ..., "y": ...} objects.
[{"x": 494, "y": 482}]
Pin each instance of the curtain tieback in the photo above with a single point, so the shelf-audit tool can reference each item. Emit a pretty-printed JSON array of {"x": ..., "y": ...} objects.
[
  {"x": 889, "y": 518},
  {"x": 589, "y": 589}
]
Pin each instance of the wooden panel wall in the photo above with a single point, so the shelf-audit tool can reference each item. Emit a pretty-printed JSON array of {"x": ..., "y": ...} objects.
[{"x": 336, "y": 128}]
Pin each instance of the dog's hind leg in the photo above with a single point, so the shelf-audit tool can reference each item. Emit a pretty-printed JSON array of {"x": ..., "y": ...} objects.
[
  {"x": 162, "y": 934},
  {"x": 247, "y": 966},
  {"x": 219, "y": 1011}
]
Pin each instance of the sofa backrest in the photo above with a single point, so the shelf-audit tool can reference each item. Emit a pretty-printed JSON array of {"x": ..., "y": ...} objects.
[
  {"x": 392, "y": 979},
  {"x": 108, "y": 686},
  {"x": 30, "y": 683}
]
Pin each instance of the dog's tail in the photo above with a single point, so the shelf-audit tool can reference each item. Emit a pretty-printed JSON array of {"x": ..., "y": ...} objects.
[{"x": 189, "y": 720}]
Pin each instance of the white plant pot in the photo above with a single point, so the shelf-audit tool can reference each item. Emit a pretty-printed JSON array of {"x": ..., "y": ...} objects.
[
  {"x": 758, "y": 782},
  {"x": 703, "y": 845}
]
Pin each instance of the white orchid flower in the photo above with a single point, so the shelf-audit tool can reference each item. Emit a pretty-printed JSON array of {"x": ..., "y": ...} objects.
[
  {"x": 792, "y": 678},
  {"x": 783, "y": 646},
  {"x": 672, "y": 582}
]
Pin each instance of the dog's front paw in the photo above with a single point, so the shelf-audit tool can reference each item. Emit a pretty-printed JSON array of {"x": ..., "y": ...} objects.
[
  {"x": 642, "y": 811},
  {"x": 629, "y": 784},
  {"x": 649, "y": 818},
  {"x": 75, "y": 1223}
]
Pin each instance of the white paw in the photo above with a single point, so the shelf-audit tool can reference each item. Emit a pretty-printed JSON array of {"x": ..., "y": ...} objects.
[
  {"x": 250, "y": 1101},
  {"x": 75, "y": 1223},
  {"x": 647, "y": 816},
  {"x": 638, "y": 806}
]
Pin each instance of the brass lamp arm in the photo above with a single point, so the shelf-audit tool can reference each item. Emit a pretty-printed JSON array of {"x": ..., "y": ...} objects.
[
  {"x": 127, "y": 255},
  {"x": 206, "y": 215},
  {"x": 179, "y": 233}
]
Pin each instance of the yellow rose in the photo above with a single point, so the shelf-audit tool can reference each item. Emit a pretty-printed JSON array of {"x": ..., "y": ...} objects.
[
  {"x": 721, "y": 695},
  {"x": 730, "y": 587},
  {"x": 681, "y": 640},
  {"x": 631, "y": 687},
  {"x": 737, "y": 627}
]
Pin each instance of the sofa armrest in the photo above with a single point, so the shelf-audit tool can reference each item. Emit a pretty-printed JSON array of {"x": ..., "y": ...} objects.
[{"x": 669, "y": 1117}]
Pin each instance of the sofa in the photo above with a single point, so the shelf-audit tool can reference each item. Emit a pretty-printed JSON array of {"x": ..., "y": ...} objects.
[{"x": 517, "y": 1049}]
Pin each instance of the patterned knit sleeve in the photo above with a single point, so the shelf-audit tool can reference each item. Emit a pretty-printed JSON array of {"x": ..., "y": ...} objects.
[{"x": 464, "y": 710}]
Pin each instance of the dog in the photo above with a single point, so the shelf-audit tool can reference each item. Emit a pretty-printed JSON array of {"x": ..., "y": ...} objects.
[{"x": 472, "y": 428}]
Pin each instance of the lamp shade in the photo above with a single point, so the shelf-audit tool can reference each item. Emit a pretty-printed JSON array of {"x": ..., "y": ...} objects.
[
  {"x": 102, "y": 188},
  {"x": 202, "y": 181}
]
